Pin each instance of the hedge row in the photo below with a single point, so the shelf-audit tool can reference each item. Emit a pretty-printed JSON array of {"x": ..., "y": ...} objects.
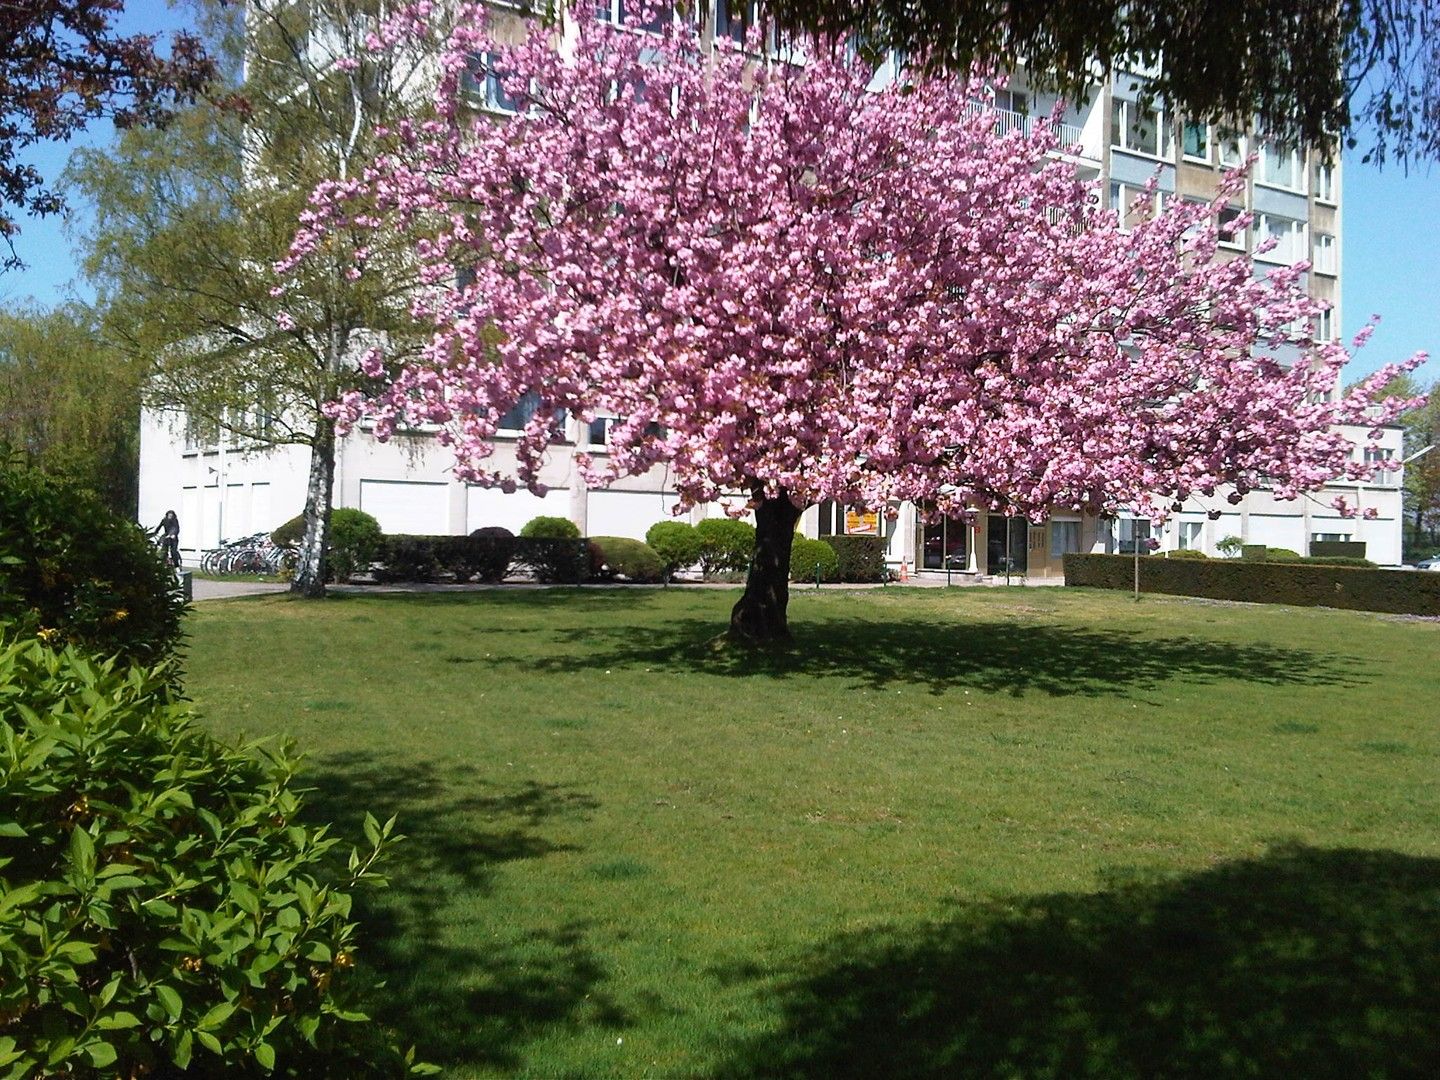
[
  {"x": 861, "y": 558},
  {"x": 1309, "y": 585},
  {"x": 487, "y": 557}
]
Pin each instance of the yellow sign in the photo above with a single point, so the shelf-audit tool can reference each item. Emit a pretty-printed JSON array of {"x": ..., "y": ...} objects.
[{"x": 862, "y": 523}]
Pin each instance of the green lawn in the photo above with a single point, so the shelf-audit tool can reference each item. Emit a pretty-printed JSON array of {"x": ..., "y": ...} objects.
[{"x": 1033, "y": 832}]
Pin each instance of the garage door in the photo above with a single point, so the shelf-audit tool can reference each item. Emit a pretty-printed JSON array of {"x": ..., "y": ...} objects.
[{"x": 407, "y": 506}]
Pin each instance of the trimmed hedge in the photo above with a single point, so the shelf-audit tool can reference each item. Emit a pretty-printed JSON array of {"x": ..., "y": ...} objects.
[
  {"x": 859, "y": 558},
  {"x": 812, "y": 559},
  {"x": 1306, "y": 584},
  {"x": 726, "y": 545},
  {"x": 620, "y": 556},
  {"x": 550, "y": 528},
  {"x": 485, "y": 555}
]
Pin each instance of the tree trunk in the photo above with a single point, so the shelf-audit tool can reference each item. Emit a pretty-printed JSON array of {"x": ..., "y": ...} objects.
[
  {"x": 309, "y": 579},
  {"x": 759, "y": 615}
]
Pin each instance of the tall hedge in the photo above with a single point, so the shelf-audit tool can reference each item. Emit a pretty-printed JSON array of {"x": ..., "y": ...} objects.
[
  {"x": 71, "y": 570},
  {"x": 859, "y": 558},
  {"x": 1305, "y": 584}
]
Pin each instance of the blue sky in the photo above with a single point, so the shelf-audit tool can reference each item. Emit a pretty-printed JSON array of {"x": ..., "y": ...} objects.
[{"x": 1390, "y": 237}]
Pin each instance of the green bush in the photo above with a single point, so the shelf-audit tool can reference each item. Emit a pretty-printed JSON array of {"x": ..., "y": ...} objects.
[
  {"x": 73, "y": 571},
  {"x": 676, "y": 542},
  {"x": 554, "y": 561},
  {"x": 550, "y": 528},
  {"x": 620, "y": 556},
  {"x": 1305, "y": 583},
  {"x": 860, "y": 558},
  {"x": 1185, "y": 553},
  {"x": 725, "y": 545},
  {"x": 290, "y": 534},
  {"x": 491, "y": 550},
  {"x": 1229, "y": 546},
  {"x": 161, "y": 905},
  {"x": 355, "y": 540},
  {"x": 810, "y": 559}
]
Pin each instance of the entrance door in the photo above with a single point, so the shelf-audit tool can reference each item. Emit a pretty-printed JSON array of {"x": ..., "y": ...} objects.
[{"x": 999, "y": 529}]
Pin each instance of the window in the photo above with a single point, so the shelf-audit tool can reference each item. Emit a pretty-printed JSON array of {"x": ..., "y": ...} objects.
[
  {"x": 611, "y": 11},
  {"x": 520, "y": 413},
  {"x": 1230, "y": 234},
  {"x": 1141, "y": 131},
  {"x": 1232, "y": 148},
  {"x": 1327, "y": 257},
  {"x": 1281, "y": 166},
  {"x": 598, "y": 431},
  {"x": 943, "y": 545},
  {"x": 1322, "y": 179},
  {"x": 1328, "y": 538},
  {"x": 1325, "y": 326},
  {"x": 1134, "y": 535},
  {"x": 734, "y": 18},
  {"x": 1189, "y": 539},
  {"x": 482, "y": 81},
  {"x": 1015, "y": 101},
  {"x": 1197, "y": 141},
  {"x": 1122, "y": 201},
  {"x": 1064, "y": 537},
  {"x": 1288, "y": 234}
]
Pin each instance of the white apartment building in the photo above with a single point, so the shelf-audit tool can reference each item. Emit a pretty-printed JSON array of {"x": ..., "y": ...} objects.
[{"x": 222, "y": 492}]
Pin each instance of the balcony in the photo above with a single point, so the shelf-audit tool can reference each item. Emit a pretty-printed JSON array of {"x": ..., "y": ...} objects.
[{"x": 1070, "y": 135}]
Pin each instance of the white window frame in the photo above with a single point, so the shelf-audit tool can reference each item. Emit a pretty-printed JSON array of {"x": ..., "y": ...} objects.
[
  {"x": 1326, "y": 258},
  {"x": 1286, "y": 252},
  {"x": 1325, "y": 326},
  {"x": 1121, "y": 197},
  {"x": 1296, "y": 182},
  {"x": 1123, "y": 130},
  {"x": 1194, "y": 541},
  {"x": 1236, "y": 240},
  {"x": 1079, "y": 531},
  {"x": 1223, "y": 139},
  {"x": 1322, "y": 178}
]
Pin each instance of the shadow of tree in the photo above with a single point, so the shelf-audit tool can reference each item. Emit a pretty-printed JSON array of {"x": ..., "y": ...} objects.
[
  {"x": 998, "y": 657},
  {"x": 472, "y": 1001},
  {"x": 1302, "y": 963}
]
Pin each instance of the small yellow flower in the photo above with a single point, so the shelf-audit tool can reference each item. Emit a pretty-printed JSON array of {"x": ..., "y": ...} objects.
[
  {"x": 121, "y": 615},
  {"x": 47, "y": 634}
]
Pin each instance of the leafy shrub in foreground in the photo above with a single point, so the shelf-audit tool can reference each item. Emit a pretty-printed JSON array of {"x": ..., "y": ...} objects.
[
  {"x": 810, "y": 559},
  {"x": 73, "y": 571},
  {"x": 676, "y": 542},
  {"x": 160, "y": 905},
  {"x": 725, "y": 545},
  {"x": 620, "y": 556},
  {"x": 550, "y": 528}
]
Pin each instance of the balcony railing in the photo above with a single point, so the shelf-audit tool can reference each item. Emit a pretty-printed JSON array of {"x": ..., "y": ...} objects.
[{"x": 1008, "y": 120}]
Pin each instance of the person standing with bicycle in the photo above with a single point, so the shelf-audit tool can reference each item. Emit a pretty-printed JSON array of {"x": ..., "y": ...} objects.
[{"x": 169, "y": 530}]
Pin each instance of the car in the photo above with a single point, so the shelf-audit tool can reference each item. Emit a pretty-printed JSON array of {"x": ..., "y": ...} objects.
[{"x": 1428, "y": 564}]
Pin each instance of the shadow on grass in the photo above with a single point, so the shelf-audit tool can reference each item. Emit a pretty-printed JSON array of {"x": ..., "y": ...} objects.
[
  {"x": 469, "y": 996},
  {"x": 997, "y": 657},
  {"x": 1302, "y": 963}
]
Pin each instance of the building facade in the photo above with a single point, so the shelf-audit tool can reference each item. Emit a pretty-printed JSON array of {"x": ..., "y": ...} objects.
[{"x": 222, "y": 492}]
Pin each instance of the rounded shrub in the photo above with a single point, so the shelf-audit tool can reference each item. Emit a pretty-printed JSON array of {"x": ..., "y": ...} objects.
[
  {"x": 164, "y": 907},
  {"x": 726, "y": 545},
  {"x": 492, "y": 550},
  {"x": 812, "y": 558},
  {"x": 73, "y": 571},
  {"x": 676, "y": 542},
  {"x": 550, "y": 528},
  {"x": 622, "y": 557},
  {"x": 355, "y": 542},
  {"x": 1185, "y": 553}
]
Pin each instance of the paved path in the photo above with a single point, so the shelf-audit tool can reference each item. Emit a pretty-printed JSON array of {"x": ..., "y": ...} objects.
[{"x": 223, "y": 590}]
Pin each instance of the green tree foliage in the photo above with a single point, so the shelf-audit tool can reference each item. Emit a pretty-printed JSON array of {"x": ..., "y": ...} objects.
[
  {"x": 73, "y": 571},
  {"x": 69, "y": 405},
  {"x": 191, "y": 219},
  {"x": 161, "y": 903},
  {"x": 1422, "y": 477},
  {"x": 1306, "y": 70}
]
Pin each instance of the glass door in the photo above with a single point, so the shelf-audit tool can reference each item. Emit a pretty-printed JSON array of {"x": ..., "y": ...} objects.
[{"x": 1006, "y": 540}]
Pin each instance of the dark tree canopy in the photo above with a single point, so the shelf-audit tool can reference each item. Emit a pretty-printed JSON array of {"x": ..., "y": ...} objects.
[
  {"x": 62, "y": 64},
  {"x": 1309, "y": 69}
]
